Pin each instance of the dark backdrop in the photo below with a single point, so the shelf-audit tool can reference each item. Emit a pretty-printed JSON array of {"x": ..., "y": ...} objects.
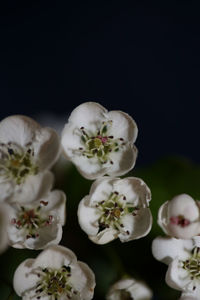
[{"x": 142, "y": 57}]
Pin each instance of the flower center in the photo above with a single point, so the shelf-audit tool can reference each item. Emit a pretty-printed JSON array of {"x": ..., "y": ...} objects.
[
  {"x": 17, "y": 162},
  {"x": 55, "y": 283},
  {"x": 31, "y": 220},
  {"x": 112, "y": 211},
  {"x": 100, "y": 144},
  {"x": 180, "y": 220},
  {"x": 192, "y": 265}
]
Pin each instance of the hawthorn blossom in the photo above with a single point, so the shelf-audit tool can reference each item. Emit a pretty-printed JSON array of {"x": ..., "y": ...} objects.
[
  {"x": 3, "y": 227},
  {"x": 183, "y": 258},
  {"x": 180, "y": 217},
  {"x": 54, "y": 275},
  {"x": 129, "y": 289},
  {"x": 26, "y": 149},
  {"x": 38, "y": 223},
  {"x": 116, "y": 208},
  {"x": 99, "y": 142}
]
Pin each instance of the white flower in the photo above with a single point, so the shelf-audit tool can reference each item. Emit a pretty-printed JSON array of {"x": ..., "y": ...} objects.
[
  {"x": 54, "y": 274},
  {"x": 99, "y": 142},
  {"x": 38, "y": 223},
  {"x": 26, "y": 149},
  {"x": 3, "y": 227},
  {"x": 186, "y": 296},
  {"x": 129, "y": 289},
  {"x": 116, "y": 208},
  {"x": 180, "y": 217},
  {"x": 183, "y": 258}
]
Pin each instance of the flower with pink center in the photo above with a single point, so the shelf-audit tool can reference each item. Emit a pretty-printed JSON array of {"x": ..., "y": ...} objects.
[{"x": 180, "y": 217}]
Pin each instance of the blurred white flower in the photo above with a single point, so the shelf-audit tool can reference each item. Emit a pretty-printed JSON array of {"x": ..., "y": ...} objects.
[
  {"x": 3, "y": 227},
  {"x": 180, "y": 217},
  {"x": 116, "y": 208},
  {"x": 54, "y": 274},
  {"x": 129, "y": 289},
  {"x": 38, "y": 223},
  {"x": 26, "y": 149},
  {"x": 183, "y": 258},
  {"x": 99, "y": 142}
]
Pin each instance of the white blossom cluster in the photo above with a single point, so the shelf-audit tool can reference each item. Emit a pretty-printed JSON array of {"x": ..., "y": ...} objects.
[
  {"x": 180, "y": 250},
  {"x": 32, "y": 213}
]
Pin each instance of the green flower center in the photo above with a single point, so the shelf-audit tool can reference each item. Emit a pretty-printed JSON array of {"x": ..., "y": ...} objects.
[
  {"x": 192, "y": 265},
  {"x": 16, "y": 162},
  {"x": 112, "y": 211},
  {"x": 100, "y": 144},
  {"x": 55, "y": 283},
  {"x": 31, "y": 220}
]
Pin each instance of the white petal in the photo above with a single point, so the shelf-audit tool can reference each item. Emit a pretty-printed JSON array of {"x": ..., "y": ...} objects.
[
  {"x": 18, "y": 129},
  {"x": 56, "y": 204},
  {"x": 123, "y": 161},
  {"x": 54, "y": 257},
  {"x": 166, "y": 249},
  {"x": 102, "y": 188},
  {"x": 34, "y": 188},
  {"x": 176, "y": 277},
  {"x": 105, "y": 236},
  {"x": 23, "y": 279},
  {"x": 127, "y": 130},
  {"x": 4, "y": 209},
  {"x": 88, "y": 115},
  {"x": 6, "y": 190},
  {"x": 47, "y": 148},
  {"x": 87, "y": 217},
  {"x": 138, "y": 226},
  {"x": 88, "y": 289}
]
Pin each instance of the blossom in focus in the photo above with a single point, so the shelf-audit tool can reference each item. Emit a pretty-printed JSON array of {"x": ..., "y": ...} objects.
[
  {"x": 116, "y": 208},
  {"x": 3, "y": 227},
  {"x": 26, "y": 149},
  {"x": 38, "y": 223},
  {"x": 129, "y": 289},
  {"x": 54, "y": 274},
  {"x": 180, "y": 217},
  {"x": 183, "y": 258},
  {"x": 99, "y": 142}
]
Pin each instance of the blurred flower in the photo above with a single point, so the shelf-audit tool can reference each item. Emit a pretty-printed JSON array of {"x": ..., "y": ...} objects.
[
  {"x": 3, "y": 227},
  {"x": 180, "y": 217},
  {"x": 26, "y": 149},
  {"x": 116, "y": 208},
  {"x": 183, "y": 258},
  {"x": 38, "y": 223},
  {"x": 99, "y": 142},
  {"x": 129, "y": 289},
  {"x": 54, "y": 274}
]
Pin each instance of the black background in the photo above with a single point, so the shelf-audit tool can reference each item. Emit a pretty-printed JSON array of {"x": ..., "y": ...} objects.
[{"x": 142, "y": 57}]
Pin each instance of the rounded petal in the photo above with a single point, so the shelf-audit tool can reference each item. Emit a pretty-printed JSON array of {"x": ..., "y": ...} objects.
[
  {"x": 47, "y": 148},
  {"x": 102, "y": 188},
  {"x": 35, "y": 187},
  {"x": 4, "y": 209},
  {"x": 176, "y": 277},
  {"x": 87, "y": 217},
  {"x": 184, "y": 205},
  {"x": 23, "y": 278},
  {"x": 128, "y": 128},
  {"x": 6, "y": 190},
  {"x": 166, "y": 249},
  {"x": 123, "y": 161},
  {"x": 54, "y": 257},
  {"x": 88, "y": 114},
  {"x": 138, "y": 226},
  {"x": 18, "y": 129}
]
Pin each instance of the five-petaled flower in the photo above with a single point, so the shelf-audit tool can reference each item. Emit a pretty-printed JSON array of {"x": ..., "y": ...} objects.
[
  {"x": 180, "y": 217},
  {"x": 99, "y": 142},
  {"x": 183, "y": 258},
  {"x": 116, "y": 208},
  {"x": 54, "y": 274},
  {"x": 37, "y": 223},
  {"x": 129, "y": 289},
  {"x": 26, "y": 149}
]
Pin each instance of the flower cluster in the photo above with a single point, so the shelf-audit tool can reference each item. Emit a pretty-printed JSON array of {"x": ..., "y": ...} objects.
[
  {"x": 180, "y": 220},
  {"x": 32, "y": 213}
]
